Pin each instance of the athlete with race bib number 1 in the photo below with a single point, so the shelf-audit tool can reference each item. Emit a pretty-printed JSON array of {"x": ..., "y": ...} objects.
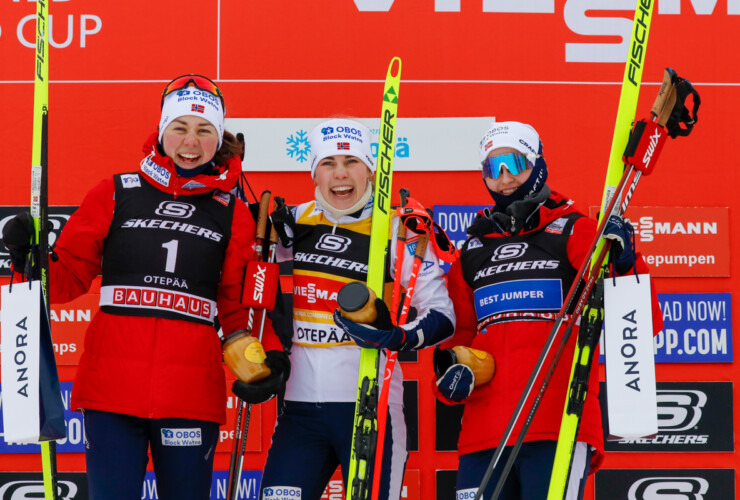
[{"x": 171, "y": 244}]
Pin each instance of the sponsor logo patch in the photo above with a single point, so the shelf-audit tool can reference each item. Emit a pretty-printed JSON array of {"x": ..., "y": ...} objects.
[
  {"x": 509, "y": 251},
  {"x": 177, "y": 209},
  {"x": 654, "y": 484},
  {"x": 519, "y": 295},
  {"x": 181, "y": 437},
  {"x": 466, "y": 494},
  {"x": 281, "y": 493},
  {"x": 692, "y": 416},
  {"x": 556, "y": 226},
  {"x": 193, "y": 185},
  {"x": 222, "y": 198},
  {"x": 474, "y": 243},
  {"x": 333, "y": 243},
  {"x": 131, "y": 180},
  {"x": 156, "y": 172}
]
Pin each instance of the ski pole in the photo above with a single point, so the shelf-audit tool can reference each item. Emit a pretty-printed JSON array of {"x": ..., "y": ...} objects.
[
  {"x": 647, "y": 139},
  {"x": 598, "y": 250},
  {"x": 592, "y": 320},
  {"x": 626, "y": 112},
  {"x": 400, "y": 251},
  {"x": 242, "y": 424},
  {"x": 245, "y": 429}
]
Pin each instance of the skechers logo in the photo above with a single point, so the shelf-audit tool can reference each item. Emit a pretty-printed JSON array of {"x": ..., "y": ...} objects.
[
  {"x": 175, "y": 209},
  {"x": 679, "y": 410},
  {"x": 656, "y": 488},
  {"x": 509, "y": 251},
  {"x": 20, "y": 490},
  {"x": 333, "y": 243}
]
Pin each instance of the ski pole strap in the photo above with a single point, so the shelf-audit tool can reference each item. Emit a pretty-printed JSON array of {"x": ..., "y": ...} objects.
[{"x": 670, "y": 105}]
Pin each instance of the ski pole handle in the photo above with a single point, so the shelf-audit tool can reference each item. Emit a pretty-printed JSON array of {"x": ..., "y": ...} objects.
[
  {"x": 421, "y": 249},
  {"x": 273, "y": 240},
  {"x": 666, "y": 98},
  {"x": 421, "y": 246},
  {"x": 262, "y": 218},
  {"x": 400, "y": 251},
  {"x": 405, "y": 193}
]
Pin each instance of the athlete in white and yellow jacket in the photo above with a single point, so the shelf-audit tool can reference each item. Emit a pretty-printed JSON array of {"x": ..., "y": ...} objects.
[{"x": 329, "y": 248}]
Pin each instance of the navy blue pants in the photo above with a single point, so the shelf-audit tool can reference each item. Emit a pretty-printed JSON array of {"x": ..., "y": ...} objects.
[
  {"x": 312, "y": 439},
  {"x": 116, "y": 453},
  {"x": 529, "y": 478}
]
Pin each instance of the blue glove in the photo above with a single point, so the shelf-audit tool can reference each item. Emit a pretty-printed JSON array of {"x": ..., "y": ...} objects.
[
  {"x": 456, "y": 383},
  {"x": 622, "y": 253},
  {"x": 381, "y": 334}
]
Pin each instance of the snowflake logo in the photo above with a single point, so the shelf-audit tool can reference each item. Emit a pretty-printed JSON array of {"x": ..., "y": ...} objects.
[{"x": 298, "y": 146}]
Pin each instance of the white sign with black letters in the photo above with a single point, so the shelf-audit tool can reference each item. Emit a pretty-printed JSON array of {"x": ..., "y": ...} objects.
[
  {"x": 630, "y": 362},
  {"x": 20, "y": 361}
]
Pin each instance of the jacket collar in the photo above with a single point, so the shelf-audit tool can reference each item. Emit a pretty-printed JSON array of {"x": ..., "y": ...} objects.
[{"x": 160, "y": 171}]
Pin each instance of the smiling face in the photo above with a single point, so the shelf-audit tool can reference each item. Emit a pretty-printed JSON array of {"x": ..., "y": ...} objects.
[
  {"x": 341, "y": 180},
  {"x": 190, "y": 141},
  {"x": 506, "y": 183}
]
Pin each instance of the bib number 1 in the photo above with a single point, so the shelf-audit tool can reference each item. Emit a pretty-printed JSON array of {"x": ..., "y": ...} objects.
[{"x": 171, "y": 247}]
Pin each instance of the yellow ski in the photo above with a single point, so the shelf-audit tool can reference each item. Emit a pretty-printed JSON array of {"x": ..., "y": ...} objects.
[
  {"x": 593, "y": 314},
  {"x": 39, "y": 201},
  {"x": 364, "y": 433}
]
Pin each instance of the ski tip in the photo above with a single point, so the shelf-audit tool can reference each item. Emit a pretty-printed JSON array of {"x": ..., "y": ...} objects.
[{"x": 394, "y": 68}]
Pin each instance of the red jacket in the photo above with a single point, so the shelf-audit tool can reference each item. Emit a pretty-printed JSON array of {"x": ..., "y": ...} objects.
[
  {"x": 516, "y": 346},
  {"x": 146, "y": 366}
]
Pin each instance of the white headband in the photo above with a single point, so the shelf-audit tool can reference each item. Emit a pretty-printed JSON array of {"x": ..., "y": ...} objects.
[
  {"x": 194, "y": 102},
  {"x": 519, "y": 136},
  {"x": 341, "y": 137}
]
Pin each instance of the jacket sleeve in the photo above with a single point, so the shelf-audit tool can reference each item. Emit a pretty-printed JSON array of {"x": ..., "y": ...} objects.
[
  {"x": 581, "y": 237},
  {"x": 80, "y": 246},
  {"x": 466, "y": 321},
  {"x": 231, "y": 314}
]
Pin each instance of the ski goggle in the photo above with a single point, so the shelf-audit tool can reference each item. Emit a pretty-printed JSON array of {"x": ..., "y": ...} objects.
[
  {"x": 515, "y": 163},
  {"x": 197, "y": 81}
]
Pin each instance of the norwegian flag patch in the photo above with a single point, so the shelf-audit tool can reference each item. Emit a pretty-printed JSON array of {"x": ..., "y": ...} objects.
[
  {"x": 343, "y": 145},
  {"x": 198, "y": 108}
]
